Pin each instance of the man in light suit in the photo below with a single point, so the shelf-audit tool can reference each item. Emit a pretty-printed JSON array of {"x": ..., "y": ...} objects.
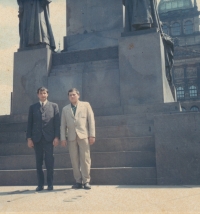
[
  {"x": 77, "y": 121},
  {"x": 43, "y": 133}
]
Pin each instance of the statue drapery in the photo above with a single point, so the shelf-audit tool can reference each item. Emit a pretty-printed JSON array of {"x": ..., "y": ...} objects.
[
  {"x": 143, "y": 14},
  {"x": 34, "y": 23}
]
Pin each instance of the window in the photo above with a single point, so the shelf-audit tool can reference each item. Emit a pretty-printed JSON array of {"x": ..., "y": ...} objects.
[
  {"x": 162, "y": 7},
  {"x": 165, "y": 29},
  {"x": 194, "y": 108},
  {"x": 180, "y": 4},
  {"x": 183, "y": 108},
  {"x": 174, "y": 4},
  {"x": 188, "y": 27},
  {"x": 168, "y": 5},
  {"x": 180, "y": 92},
  {"x": 176, "y": 29},
  {"x": 187, "y": 3},
  {"x": 193, "y": 91}
]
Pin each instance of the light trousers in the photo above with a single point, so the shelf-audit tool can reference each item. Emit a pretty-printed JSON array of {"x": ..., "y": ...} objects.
[{"x": 79, "y": 151}]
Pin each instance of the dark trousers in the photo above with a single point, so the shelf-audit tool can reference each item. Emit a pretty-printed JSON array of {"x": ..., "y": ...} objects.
[{"x": 44, "y": 152}]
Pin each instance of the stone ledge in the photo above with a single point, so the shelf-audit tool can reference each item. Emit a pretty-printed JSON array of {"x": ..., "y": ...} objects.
[{"x": 85, "y": 56}]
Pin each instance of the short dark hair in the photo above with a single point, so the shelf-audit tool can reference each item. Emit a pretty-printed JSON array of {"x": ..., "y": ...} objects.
[
  {"x": 42, "y": 89},
  {"x": 73, "y": 89}
]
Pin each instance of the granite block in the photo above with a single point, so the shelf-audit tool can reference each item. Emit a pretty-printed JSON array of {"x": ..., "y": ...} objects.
[
  {"x": 142, "y": 70},
  {"x": 72, "y": 57},
  {"x": 92, "y": 40},
  {"x": 31, "y": 69},
  {"x": 91, "y": 16},
  {"x": 138, "y": 130},
  {"x": 177, "y": 141},
  {"x": 97, "y": 81},
  {"x": 91, "y": 24},
  {"x": 106, "y": 176},
  {"x": 13, "y": 137},
  {"x": 101, "y": 145},
  {"x": 101, "y": 84},
  {"x": 99, "y": 160}
]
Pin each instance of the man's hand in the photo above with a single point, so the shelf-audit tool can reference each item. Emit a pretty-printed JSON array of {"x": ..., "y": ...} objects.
[
  {"x": 63, "y": 143},
  {"x": 91, "y": 140},
  {"x": 56, "y": 142},
  {"x": 30, "y": 143}
]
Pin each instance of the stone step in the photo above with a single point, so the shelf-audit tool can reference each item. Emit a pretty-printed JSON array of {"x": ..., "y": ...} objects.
[
  {"x": 99, "y": 176},
  {"x": 148, "y": 109},
  {"x": 129, "y": 120},
  {"x": 123, "y": 120},
  {"x": 153, "y": 108},
  {"x": 115, "y": 111},
  {"x": 138, "y": 130},
  {"x": 12, "y": 137},
  {"x": 99, "y": 160},
  {"x": 101, "y": 145},
  {"x": 13, "y": 118},
  {"x": 13, "y": 127},
  {"x": 73, "y": 57},
  {"x": 142, "y": 111}
]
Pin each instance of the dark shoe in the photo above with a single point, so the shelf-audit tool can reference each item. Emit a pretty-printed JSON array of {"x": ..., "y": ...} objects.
[
  {"x": 77, "y": 186},
  {"x": 39, "y": 188},
  {"x": 87, "y": 186},
  {"x": 50, "y": 188}
]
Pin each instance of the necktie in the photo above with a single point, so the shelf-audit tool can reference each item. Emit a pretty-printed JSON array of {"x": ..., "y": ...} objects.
[{"x": 42, "y": 108}]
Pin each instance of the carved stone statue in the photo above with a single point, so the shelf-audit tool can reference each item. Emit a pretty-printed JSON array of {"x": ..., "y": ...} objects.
[
  {"x": 140, "y": 14},
  {"x": 34, "y": 25},
  {"x": 143, "y": 14}
]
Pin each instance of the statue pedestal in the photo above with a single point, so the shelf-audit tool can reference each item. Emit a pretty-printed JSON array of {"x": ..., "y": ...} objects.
[
  {"x": 142, "y": 69},
  {"x": 31, "y": 69},
  {"x": 93, "y": 24}
]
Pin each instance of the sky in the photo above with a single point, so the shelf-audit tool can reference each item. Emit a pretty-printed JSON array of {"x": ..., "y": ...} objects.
[{"x": 9, "y": 42}]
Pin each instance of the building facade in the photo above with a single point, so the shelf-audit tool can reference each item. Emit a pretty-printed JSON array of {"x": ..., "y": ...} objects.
[{"x": 180, "y": 20}]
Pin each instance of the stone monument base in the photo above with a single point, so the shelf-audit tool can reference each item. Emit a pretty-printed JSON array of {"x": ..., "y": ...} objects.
[
  {"x": 31, "y": 69},
  {"x": 177, "y": 148},
  {"x": 92, "y": 40},
  {"x": 142, "y": 69}
]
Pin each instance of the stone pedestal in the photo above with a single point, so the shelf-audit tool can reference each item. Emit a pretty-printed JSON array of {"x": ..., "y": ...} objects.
[
  {"x": 31, "y": 69},
  {"x": 93, "y": 24},
  {"x": 177, "y": 148},
  {"x": 142, "y": 69}
]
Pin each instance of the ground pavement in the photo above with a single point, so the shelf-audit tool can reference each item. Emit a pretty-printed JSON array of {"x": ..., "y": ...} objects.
[{"x": 101, "y": 199}]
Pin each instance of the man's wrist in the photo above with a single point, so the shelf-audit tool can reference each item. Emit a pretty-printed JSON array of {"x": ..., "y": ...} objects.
[{"x": 28, "y": 138}]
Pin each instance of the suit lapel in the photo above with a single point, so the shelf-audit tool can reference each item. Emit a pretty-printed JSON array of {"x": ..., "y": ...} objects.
[
  {"x": 70, "y": 112},
  {"x": 39, "y": 107},
  {"x": 46, "y": 106},
  {"x": 78, "y": 109}
]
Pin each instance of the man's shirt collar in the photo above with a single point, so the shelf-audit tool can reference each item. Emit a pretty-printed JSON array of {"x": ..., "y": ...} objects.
[{"x": 45, "y": 102}]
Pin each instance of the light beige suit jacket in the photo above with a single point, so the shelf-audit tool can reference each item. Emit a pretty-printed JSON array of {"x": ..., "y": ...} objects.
[{"x": 82, "y": 124}]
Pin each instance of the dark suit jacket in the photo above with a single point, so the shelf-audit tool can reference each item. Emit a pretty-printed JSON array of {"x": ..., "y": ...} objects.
[{"x": 46, "y": 123}]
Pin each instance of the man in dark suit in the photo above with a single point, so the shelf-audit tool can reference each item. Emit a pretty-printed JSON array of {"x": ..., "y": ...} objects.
[{"x": 43, "y": 134}]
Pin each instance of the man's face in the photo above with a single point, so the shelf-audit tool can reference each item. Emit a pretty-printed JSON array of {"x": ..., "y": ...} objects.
[
  {"x": 73, "y": 97},
  {"x": 42, "y": 95}
]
